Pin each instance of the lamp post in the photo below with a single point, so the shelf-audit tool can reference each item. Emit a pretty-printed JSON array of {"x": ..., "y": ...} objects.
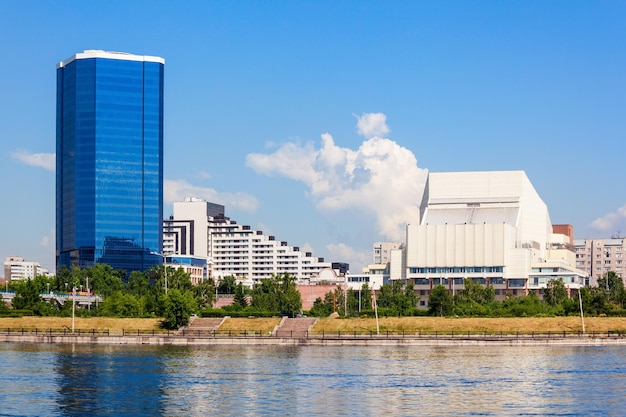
[{"x": 73, "y": 306}]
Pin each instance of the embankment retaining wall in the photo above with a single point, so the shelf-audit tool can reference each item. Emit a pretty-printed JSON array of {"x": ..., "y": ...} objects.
[{"x": 309, "y": 341}]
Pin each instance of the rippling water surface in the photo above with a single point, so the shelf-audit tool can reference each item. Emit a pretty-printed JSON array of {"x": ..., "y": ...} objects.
[{"x": 83, "y": 380}]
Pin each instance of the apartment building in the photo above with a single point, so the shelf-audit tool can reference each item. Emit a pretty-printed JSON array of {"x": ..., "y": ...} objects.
[
  {"x": 596, "y": 257},
  {"x": 16, "y": 269},
  {"x": 201, "y": 229}
]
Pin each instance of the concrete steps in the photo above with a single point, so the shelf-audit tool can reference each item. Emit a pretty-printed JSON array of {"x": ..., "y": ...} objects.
[
  {"x": 294, "y": 327},
  {"x": 203, "y": 325}
]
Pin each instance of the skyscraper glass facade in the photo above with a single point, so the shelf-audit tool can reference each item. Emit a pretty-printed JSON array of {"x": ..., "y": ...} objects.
[{"x": 109, "y": 185}]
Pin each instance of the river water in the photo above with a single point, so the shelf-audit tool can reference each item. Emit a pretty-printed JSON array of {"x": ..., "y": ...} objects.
[{"x": 89, "y": 380}]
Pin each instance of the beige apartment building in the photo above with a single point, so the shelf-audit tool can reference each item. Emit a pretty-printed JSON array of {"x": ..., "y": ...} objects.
[{"x": 598, "y": 256}]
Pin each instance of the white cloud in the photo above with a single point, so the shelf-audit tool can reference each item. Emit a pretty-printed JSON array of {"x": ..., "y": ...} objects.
[
  {"x": 178, "y": 190},
  {"x": 46, "y": 161},
  {"x": 265, "y": 229},
  {"x": 307, "y": 247},
  {"x": 381, "y": 178},
  {"x": 610, "y": 221},
  {"x": 371, "y": 125},
  {"x": 204, "y": 175},
  {"x": 48, "y": 240},
  {"x": 290, "y": 160},
  {"x": 345, "y": 253}
]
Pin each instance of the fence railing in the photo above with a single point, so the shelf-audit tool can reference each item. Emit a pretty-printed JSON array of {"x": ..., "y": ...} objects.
[{"x": 354, "y": 334}]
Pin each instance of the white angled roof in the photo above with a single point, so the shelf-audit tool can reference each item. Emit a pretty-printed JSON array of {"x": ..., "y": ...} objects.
[{"x": 95, "y": 53}]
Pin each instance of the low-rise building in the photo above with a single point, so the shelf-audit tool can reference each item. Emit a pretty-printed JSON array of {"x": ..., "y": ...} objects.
[{"x": 16, "y": 268}]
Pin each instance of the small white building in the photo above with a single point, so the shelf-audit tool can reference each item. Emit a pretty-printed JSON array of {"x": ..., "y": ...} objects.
[{"x": 16, "y": 269}]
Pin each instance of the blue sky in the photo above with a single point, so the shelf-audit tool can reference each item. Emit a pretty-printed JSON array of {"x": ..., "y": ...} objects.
[{"x": 318, "y": 121}]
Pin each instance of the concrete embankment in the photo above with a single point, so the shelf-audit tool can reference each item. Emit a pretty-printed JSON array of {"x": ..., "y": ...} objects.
[{"x": 313, "y": 340}]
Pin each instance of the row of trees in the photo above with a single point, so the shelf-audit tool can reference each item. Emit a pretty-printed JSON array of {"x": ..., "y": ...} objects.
[
  {"x": 145, "y": 294},
  {"x": 608, "y": 297},
  {"x": 394, "y": 299}
]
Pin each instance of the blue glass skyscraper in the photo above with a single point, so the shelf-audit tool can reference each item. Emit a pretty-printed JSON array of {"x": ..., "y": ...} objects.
[{"x": 109, "y": 160}]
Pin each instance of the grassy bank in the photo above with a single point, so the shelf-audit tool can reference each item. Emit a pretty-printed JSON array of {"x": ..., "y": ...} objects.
[
  {"x": 360, "y": 325},
  {"x": 99, "y": 324},
  {"x": 493, "y": 325}
]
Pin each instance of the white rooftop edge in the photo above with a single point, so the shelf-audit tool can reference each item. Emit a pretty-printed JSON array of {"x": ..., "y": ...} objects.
[{"x": 95, "y": 53}]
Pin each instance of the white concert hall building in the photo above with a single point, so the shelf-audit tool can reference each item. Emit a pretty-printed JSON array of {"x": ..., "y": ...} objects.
[{"x": 491, "y": 227}]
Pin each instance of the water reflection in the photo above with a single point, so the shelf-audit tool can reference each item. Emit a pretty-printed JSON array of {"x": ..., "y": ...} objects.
[
  {"x": 314, "y": 381},
  {"x": 108, "y": 380}
]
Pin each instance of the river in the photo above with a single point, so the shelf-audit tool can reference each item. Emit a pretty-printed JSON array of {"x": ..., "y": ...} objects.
[{"x": 114, "y": 380}]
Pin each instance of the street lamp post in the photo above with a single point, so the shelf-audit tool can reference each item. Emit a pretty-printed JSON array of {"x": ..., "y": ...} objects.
[{"x": 73, "y": 306}]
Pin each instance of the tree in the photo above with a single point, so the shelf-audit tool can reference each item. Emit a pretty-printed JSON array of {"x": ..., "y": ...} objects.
[
  {"x": 440, "y": 302},
  {"x": 594, "y": 300},
  {"x": 4, "y": 309},
  {"x": 227, "y": 285},
  {"x": 613, "y": 287},
  {"x": 178, "y": 279},
  {"x": 178, "y": 308},
  {"x": 26, "y": 295},
  {"x": 240, "y": 297},
  {"x": 366, "y": 297},
  {"x": 278, "y": 293},
  {"x": 320, "y": 308},
  {"x": 474, "y": 299},
  {"x": 205, "y": 294},
  {"x": 103, "y": 279},
  {"x": 399, "y": 298},
  {"x": 555, "y": 293},
  {"x": 138, "y": 283},
  {"x": 122, "y": 304}
]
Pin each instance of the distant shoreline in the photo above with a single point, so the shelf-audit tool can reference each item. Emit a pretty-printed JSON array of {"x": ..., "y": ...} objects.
[{"x": 318, "y": 340}]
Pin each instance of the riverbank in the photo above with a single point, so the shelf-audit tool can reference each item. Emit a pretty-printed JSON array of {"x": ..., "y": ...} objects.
[
  {"x": 325, "y": 340},
  {"x": 336, "y": 325},
  {"x": 405, "y": 331}
]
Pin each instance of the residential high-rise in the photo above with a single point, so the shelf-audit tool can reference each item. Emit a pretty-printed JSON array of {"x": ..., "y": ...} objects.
[
  {"x": 597, "y": 257},
  {"x": 199, "y": 228},
  {"x": 109, "y": 160}
]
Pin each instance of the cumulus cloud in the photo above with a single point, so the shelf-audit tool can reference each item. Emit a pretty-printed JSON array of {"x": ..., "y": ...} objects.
[
  {"x": 371, "y": 125},
  {"x": 178, "y": 190},
  {"x": 46, "y": 161},
  {"x": 380, "y": 178},
  {"x": 345, "y": 253},
  {"x": 610, "y": 221},
  {"x": 204, "y": 175},
  {"x": 48, "y": 240}
]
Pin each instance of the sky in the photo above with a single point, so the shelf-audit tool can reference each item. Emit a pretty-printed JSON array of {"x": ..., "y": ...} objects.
[{"x": 318, "y": 121}]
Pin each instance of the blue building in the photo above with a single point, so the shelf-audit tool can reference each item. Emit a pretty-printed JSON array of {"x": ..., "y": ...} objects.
[{"x": 109, "y": 160}]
